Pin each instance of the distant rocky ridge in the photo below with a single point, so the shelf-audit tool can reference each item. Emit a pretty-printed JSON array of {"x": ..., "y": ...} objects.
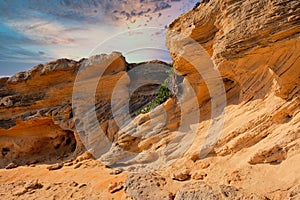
[{"x": 255, "y": 45}]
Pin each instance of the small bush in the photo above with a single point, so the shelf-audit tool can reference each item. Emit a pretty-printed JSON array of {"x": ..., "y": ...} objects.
[{"x": 163, "y": 94}]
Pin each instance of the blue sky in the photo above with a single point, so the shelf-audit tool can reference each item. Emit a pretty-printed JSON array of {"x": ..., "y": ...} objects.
[{"x": 36, "y": 31}]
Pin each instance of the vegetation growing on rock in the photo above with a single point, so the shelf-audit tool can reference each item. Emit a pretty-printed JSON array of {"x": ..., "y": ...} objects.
[{"x": 166, "y": 90}]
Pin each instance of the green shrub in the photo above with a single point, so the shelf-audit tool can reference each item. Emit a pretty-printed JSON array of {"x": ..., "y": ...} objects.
[{"x": 163, "y": 94}]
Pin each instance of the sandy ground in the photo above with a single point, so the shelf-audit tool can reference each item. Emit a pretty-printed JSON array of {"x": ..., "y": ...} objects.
[{"x": 90, "y": 180}]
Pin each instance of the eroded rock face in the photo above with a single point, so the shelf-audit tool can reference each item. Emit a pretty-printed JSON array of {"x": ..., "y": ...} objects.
[
  {"x": 247, "y": 40},
  {"x": 37, "y": 118},
  {"x": 255, "y": 46}
]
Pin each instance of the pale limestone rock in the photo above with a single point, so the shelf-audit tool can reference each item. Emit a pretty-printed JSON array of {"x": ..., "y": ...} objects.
[
  {"x": 115, "y": 187},
  {"x": 146, "y": 186},
  {"x": 182, "y": 175}
]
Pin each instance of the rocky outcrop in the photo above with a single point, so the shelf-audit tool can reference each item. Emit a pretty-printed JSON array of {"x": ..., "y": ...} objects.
[
  {"x": 201, "y": 190},
  {"x": 154, "y": 186},
  {"x": 146, "y": 186},
  {"x": 247, "y": 40},
  {"x": 37, "y": 118},
  {"x": 255, "y": 47}
]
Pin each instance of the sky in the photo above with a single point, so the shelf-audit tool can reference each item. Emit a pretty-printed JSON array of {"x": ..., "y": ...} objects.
[{"x": 39, "y": 31}]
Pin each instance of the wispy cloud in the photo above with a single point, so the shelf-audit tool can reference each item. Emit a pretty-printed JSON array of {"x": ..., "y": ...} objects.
[
  {"x": 35, "y": 31},
  {"x": 44, "y": 32},
  {"x": 15, "y": 46}
]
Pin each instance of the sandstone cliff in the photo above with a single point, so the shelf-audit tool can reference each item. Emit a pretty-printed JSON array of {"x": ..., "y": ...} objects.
[
  {"x": 255, "y": 47},
  {"x": 251, "y": 47},
  {"x": 37, "y": 121}
]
